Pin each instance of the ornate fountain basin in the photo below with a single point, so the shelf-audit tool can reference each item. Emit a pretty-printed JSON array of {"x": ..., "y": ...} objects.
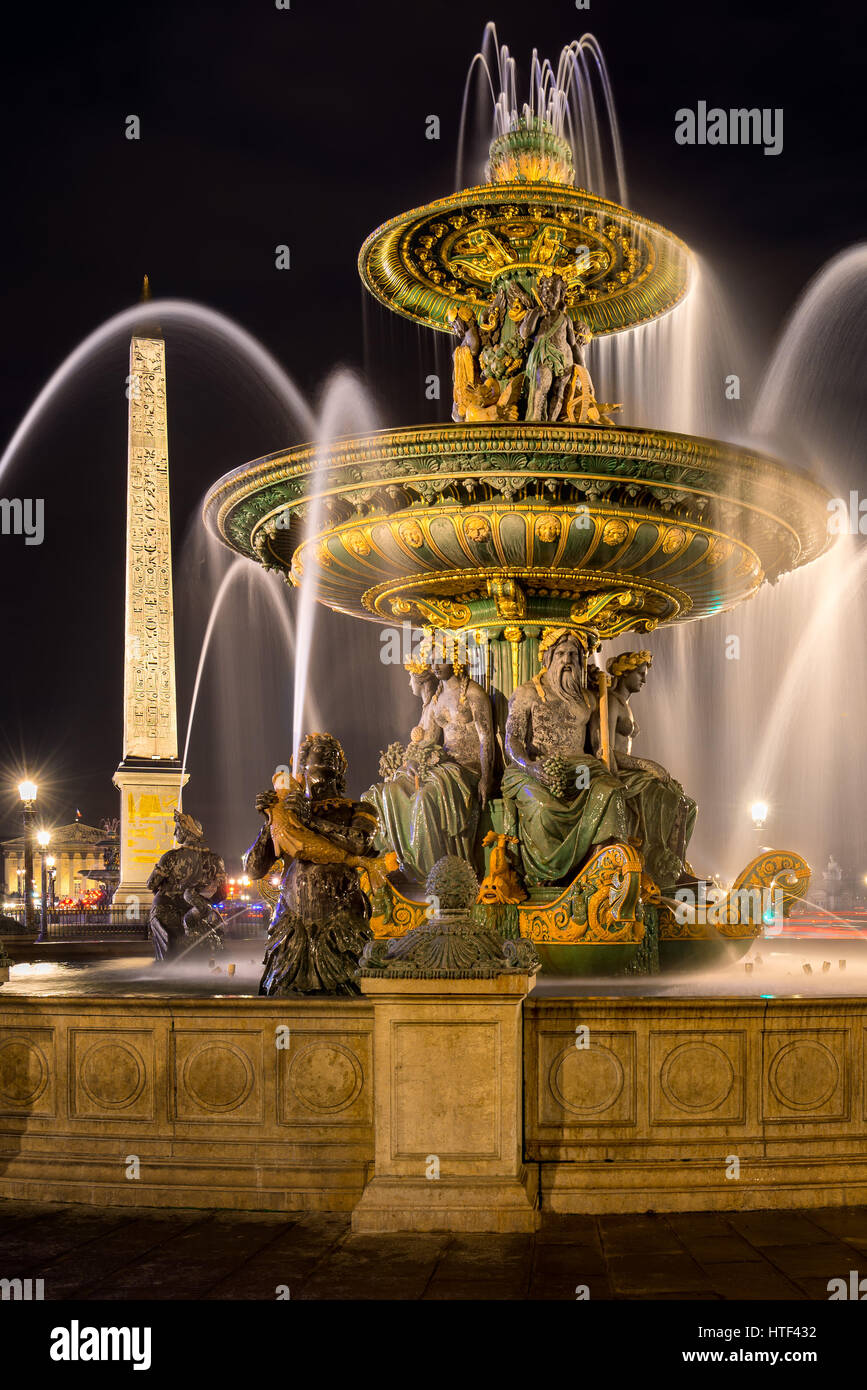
[
  {"x": 620, "y": 268},
  {"x": 465, "y": 526}
]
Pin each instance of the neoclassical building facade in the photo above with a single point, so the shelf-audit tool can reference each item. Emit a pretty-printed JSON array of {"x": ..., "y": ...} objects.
[{"x": 74, "y": 849}]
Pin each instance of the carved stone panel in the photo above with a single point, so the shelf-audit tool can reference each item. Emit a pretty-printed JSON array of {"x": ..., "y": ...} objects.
[
  {"x": 460, "y": 1121},
  {"x": 111, "y": 1073},
  {"x": 805, "y": 1075},
  {"x": 218, "y": 1075},
  {"x": 27, "y": 1071},
  {"x": 324, "y": 1079},
  {"x": 697, "y": 1078},
  {"x": 587, "y": 1086}
]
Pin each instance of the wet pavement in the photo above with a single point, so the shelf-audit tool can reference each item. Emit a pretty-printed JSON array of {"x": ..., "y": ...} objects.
[{"x": 149, "y": 1253}]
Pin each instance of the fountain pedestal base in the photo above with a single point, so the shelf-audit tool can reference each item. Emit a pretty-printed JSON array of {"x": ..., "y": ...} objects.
[{"x": 448, "y": 1102}]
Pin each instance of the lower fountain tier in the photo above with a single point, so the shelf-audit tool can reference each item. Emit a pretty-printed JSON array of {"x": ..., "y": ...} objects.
[
  {"x": 468, "y": 526},
  {"x": 647, "y": 1115}
]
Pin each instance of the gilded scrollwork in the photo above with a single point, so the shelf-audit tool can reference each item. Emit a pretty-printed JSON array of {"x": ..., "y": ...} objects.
[{"x": 601, "y": 905}]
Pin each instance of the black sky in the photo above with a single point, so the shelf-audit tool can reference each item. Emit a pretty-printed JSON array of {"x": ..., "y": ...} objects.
[{"x": 263, "y": 126}]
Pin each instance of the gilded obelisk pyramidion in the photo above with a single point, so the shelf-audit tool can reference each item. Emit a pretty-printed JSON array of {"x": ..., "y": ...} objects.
[{"x": 149, "y": 776}]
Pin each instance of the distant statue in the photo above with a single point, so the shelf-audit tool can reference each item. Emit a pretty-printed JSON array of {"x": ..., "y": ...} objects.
[
  {"x": 581, "y": 406},
  {"x": 667, "y": 813},
  {"x": 521, "y": 353},
  {"x": 110, "y": 845},
  {"x": 503, "y": 349},
  {"x": 428, "y": 803},
  {"x": 567, "y": 802},
  {"x": 320, "y": 923},
  {"x": 185, "y": 882}
]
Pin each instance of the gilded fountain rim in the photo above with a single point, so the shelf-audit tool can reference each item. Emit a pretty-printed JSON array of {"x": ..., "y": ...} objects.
[
  {"x": 721, "y": 518},
  {"x": 649, "y": 268},
  {"x": 644, "y": 443}
]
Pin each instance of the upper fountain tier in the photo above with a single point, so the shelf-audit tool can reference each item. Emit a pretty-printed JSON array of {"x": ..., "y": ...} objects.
[
  {"x": 456, "y": 254},
  {"x": 530, "y": 508},
  {"x": 465, "y": 527}
]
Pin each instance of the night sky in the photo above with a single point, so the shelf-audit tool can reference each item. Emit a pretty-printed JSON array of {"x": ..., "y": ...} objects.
[{"x": 307, "y": 127}]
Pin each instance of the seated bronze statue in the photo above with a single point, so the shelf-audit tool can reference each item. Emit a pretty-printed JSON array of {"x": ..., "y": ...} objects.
[
  {"x": 429, "y": 802},
  {"x": 567, "y": 801},
  {"x": 186, "y": 881},
  {"x": 666, "y": 813}
]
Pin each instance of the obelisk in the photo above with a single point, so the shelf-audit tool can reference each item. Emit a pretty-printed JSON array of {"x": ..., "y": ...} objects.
[{"x": 149, "y": 776}]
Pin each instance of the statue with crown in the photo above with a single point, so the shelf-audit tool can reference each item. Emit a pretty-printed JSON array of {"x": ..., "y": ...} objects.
[{"x": 435, "y": 790}]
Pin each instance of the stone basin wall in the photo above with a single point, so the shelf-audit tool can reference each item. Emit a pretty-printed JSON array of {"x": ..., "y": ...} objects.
[
  {"x": 218, "y": 1114},
  {"x": 649, "y": 1115}
]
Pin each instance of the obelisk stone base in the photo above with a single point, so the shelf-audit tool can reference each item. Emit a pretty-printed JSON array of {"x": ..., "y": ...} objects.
[
  {"x": 448, "y": 1116},
  {"x": 148, "y": 797}
]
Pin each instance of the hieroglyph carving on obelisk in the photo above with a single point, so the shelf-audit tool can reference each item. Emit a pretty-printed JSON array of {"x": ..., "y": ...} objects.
[
  {"x": 150, "y": 725},
  {"x": 149, "y": 778}
]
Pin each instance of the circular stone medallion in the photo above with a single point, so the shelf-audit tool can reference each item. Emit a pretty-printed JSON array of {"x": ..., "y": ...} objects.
[
  {"x": 586, "y": 1080},
  {"x": 325, "y": 1077},
  {"x": 218, "y": 1076},
  {"x": 112, "y": 1074},
  {"x": 23, "y": 1071},
  {"x": 804, "y": 1075},
  {"x": 697, "y": 1076}
]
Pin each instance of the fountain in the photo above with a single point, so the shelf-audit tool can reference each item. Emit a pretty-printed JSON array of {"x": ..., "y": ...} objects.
[
  {"x": 524, "y": 536},
  {"x": 525, "y": 556}
]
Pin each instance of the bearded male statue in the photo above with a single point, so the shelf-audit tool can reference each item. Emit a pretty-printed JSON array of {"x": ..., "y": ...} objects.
[{"x": 568, "y": 804}]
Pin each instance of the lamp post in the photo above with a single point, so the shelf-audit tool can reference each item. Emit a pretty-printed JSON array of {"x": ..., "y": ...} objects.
[
  {"x": 52, "y": 875},
  {"x": 28, "y": 791},
  {"x": 44, "y": 838}
]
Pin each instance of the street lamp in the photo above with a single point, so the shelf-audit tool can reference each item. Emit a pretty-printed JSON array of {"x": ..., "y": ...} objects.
[
  {"x": 52, "y": 875},
  {"x": 759, "y": 813},
  {"x": 27, "y": 791},
  {"x": 44, "y": 838}
]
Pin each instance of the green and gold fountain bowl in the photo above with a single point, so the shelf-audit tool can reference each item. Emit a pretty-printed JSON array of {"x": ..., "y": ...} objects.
[
  {"x": 620, "y": 269},
  {"x": 464, "y": 527}
]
